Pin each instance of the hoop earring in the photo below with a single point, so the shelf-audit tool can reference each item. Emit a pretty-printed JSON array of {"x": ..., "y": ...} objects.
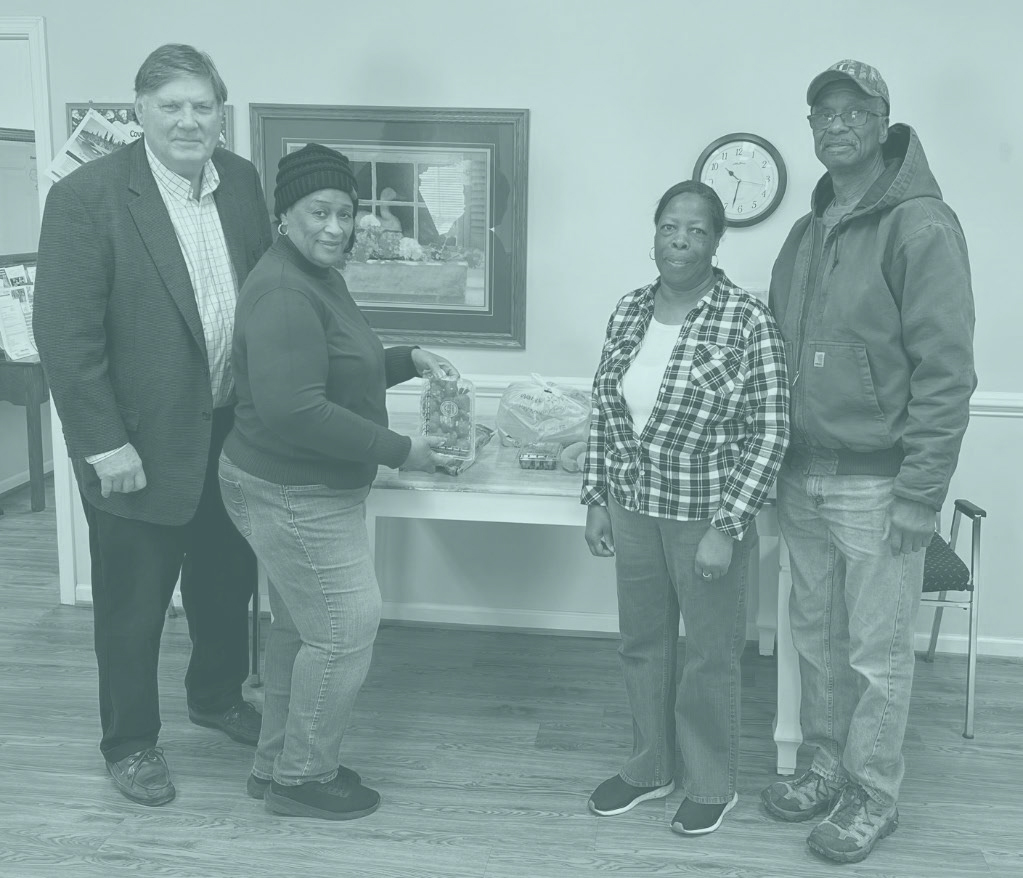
[
  {"x": 652, "y": 257},
  {"x": 714, "y": 261},
  {"x": 282, "y": 229}
]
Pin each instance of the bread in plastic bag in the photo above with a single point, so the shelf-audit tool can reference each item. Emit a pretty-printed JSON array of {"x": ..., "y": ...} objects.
[{"x": 542, "y": 411}]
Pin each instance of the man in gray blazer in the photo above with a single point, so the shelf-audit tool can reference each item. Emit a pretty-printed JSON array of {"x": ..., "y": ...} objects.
[{"x": 141, "y": 255}]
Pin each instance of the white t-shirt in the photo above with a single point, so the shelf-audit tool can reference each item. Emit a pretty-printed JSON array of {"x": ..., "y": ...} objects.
[{"x": 642, "y": 382}]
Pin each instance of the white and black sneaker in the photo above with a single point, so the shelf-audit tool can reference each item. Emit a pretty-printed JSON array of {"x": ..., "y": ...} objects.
[
  {"x": 615, "y": 796},
  {"x": 696, "y": 818}
]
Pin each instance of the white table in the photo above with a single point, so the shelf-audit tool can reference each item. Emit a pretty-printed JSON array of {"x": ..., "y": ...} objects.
[{"x": 496, "y": 489}]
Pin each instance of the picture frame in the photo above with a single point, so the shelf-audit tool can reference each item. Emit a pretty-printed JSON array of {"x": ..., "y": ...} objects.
[
  {"x": 125, "y": 115},
  {"x": 440, "y": 239}
]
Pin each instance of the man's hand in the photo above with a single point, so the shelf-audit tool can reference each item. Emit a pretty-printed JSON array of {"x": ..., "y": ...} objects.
[
  {"x": 598, "y": 532},
  {"x": 713, "y": 555},
  {"x": 121, "y": 473},
  {"x": 908, "y": 526}
]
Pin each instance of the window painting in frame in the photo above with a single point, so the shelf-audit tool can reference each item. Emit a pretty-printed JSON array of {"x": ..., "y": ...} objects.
[{"x": 439, "y": 253}]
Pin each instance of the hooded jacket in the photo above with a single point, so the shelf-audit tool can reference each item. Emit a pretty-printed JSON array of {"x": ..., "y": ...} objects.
[{"x": 879, "y": 339}]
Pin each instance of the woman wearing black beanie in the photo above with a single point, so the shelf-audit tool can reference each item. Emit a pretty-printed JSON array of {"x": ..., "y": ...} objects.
[{"x": 310, "y": 431}]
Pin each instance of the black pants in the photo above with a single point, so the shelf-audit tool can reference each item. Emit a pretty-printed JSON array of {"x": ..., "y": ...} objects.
[{"x": 135, "y": 565}]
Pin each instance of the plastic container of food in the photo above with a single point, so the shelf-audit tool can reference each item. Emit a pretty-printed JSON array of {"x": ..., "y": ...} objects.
[
  {"x": 540, "y": 455},
  {"x": 447, "y": 411}
]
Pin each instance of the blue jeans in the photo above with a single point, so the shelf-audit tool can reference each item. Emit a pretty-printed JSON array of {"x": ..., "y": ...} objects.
[
  {"x": 312, "y": 542},
  {"x": 853, "y": 611},
  {"x": 655, "y": 565}
]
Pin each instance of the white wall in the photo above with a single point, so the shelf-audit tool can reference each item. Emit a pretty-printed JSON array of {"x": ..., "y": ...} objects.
[{"x": 623, "y": 98}]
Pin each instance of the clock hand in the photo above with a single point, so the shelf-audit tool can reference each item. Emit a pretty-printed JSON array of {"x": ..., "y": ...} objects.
[{"x": 736, "y": 195}]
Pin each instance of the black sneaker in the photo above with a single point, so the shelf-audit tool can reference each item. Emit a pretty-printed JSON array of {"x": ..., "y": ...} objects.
[
  {"x": 241, "y": 722},
  {"x": 696, "y": 818},
  {"x": 256, "y": 787},
  {"x": 331, "y": 800},
  {"x": 143, "y": 777},
  {"x": 616, "y": 796}
]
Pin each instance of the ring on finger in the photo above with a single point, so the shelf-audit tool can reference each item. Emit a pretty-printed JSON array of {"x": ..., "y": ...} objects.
[{"x": 707, "y": 574}]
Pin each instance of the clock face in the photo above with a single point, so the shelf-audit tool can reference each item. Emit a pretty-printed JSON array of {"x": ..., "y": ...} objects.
[{"x": 748, "y": 175}]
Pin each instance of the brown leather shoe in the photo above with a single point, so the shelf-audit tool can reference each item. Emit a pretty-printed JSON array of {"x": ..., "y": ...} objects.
[
  {"x": 143, "y": 777},
  {"x": 241, "y": 722}
]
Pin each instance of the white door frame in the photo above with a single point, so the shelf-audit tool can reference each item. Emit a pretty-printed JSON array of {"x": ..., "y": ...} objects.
[{"x": 33, "y": 30}]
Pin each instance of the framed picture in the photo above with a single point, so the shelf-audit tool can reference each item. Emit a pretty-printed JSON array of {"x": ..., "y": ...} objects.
[
  {"x": 440, "y": 236},
  {"x": 124, "y": 115}
]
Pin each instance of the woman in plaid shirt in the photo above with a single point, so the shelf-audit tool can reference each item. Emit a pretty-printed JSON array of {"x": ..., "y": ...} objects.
[{"x": 690, "y": 424}]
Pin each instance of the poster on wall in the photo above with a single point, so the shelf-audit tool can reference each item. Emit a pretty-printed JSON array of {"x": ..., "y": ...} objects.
[
  {"x": 122, "y": 118},
  {"x": 93, "y": 137}
]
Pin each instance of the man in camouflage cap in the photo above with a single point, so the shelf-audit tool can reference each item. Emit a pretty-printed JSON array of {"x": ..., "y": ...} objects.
[{"x": 872, "y": 293}]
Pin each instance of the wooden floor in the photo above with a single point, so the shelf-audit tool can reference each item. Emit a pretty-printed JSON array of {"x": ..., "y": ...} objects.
[{"x": 484, "y": 747}]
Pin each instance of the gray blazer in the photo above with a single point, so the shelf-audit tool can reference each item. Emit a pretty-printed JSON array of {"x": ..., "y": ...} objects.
[{"x": 118, "y": 328}]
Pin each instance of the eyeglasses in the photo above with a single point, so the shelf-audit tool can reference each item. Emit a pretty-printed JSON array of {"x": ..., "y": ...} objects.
[{"x": 856, "y": 118}]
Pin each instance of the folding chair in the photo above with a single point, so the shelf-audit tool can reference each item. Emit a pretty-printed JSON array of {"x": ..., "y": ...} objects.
[{"x": 944, "y": 572}]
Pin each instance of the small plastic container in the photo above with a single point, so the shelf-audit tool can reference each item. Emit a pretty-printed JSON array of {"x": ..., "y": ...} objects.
[
  {"x": 447, "y": 410},
  {"x": 540, "y": 455}
]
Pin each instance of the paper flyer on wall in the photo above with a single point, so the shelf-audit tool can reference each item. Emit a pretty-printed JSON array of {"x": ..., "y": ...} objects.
[
  {"x": 16, "y": 323},
  {"x": 16, "y": 299},
  {"x": 93, "y": 137}
]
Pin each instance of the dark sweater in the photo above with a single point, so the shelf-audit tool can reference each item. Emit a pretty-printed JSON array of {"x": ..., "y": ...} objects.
[{"x": 311, "y": 378}]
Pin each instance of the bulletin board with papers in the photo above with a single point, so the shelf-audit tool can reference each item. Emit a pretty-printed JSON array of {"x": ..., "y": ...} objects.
[{"x": 17, "y": 286}]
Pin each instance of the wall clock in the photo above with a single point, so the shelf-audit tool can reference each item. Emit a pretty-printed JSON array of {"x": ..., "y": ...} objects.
[{"x": 747, "y": 173}]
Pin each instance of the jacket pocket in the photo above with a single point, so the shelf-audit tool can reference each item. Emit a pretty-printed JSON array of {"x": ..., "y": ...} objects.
[
  {"x": 841, "y": 408},
  {"x": 715, "y": 368}
]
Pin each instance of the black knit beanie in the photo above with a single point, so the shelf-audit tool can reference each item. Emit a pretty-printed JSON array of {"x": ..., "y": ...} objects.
[{"x": 309, "y": 169}]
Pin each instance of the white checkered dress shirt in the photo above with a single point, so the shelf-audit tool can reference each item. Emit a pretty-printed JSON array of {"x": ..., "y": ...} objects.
[
  {"x": 201, "y": 237},
  {"x": 718, "y": 432}
]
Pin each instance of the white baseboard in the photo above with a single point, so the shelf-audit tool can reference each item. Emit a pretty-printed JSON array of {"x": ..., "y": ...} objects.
[
  {"x": 1002, "y": 647},
  {"x": 583, "y": 623},
  {"x": 22, "y": 480},
  {"x": 83, "y": 596},
  {"x": 500, "y": 617}
]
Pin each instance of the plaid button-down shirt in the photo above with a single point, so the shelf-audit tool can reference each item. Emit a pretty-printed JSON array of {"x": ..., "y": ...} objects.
[
  {"x": 718, "y": 432},
  {"x": 201, "y": 236}
]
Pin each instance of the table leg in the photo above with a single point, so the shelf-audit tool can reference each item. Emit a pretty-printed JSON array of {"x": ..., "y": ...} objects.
[
  {"x": 787, "y": 733},
  {"x": 767, "y": 592},
  {"x": 34, "y": 419}
]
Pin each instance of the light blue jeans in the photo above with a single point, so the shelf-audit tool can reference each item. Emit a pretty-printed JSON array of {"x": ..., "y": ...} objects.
[
  {"x": 655, "y": 566},
  {"x": 853, "y": 611},
  {"x": 312, "y": 542}
]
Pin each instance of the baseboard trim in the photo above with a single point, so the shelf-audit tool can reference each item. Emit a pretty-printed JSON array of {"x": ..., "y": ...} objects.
[
  {"x": 22, "y": 480},
  {"x": 83, "y": 596},
  {"x": 501, "y": 617},
  {"x": 582, "y": 624},
  {"x": 956, "y": 644}
]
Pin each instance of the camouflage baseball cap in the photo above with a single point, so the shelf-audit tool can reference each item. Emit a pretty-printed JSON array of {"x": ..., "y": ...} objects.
[{"x": 868, "y": 79}]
